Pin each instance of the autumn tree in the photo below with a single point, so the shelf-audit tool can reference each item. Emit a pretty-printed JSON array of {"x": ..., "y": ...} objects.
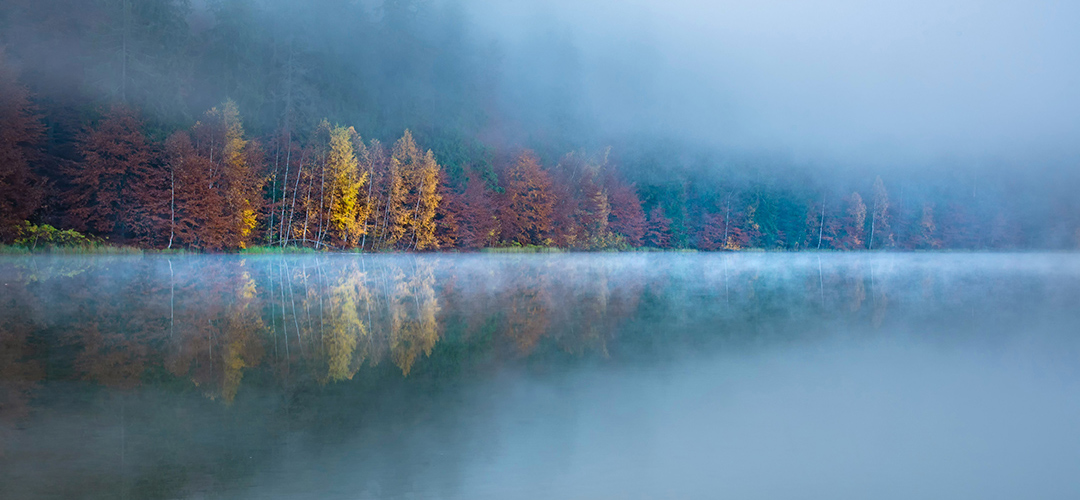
[
  {"x": 658, "y": 234},
  {"x": 854, "y": 224},
  {"x": 711, "y": 235},
  {"x": 448, "y": 214},
  {"x": 214, "y": 186},
  {"x": 377, "y": 197},
  {"x": 586, "y": 214},
  {"x": 347, "y": 211},
  {"x": 925, "y": 235},
  {"x": 193, "y": 203},
  {"x": 234, "y": 165},
  {"x": 525, "y": 210},
  {"x": 744, "y": 229},
  {"x": 20, "y": 134},
  {"x": 477, "y": 226},
  {"x": 413, "y": 196},
  {"x": 115, "y": 190},
  {"x": 627, "y": 217}
]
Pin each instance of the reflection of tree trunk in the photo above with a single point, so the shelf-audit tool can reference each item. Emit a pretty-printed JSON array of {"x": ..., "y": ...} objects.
[
  {"x": 284, "y": 321},
  {"x": 873, "y": 296},
  {"x": 322, "y": 308},
  {"x": 273, "y": 316},
  {"x": 727, "y": 289},
  {"x": 172, "y": 296},
  {"x": 821, "y": 282},
  {"x": 292, "y": 298}
]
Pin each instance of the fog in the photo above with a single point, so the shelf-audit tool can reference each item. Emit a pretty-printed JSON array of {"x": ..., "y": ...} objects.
[
  {"x": 879, "y": 84},
  {"x": 954, "y": 83}
]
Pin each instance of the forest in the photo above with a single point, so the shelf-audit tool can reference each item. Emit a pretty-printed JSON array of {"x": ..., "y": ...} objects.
[{"x": 377, "y": 126}]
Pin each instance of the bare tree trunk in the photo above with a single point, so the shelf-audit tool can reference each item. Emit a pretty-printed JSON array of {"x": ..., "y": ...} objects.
[
  {"x": 273, "y": 195},
  {"x": 322, "y": 200},
  {"x": 333, "y": 197},
  {"x": 172, "y": 206},
  {"x": 292, "y": 211},
  {"x": 282, "y": 237},
  {"x": 727, "y": 221},
  {"x": 821, "y": 226},
  {"x": 307, "y": 203},
  {"x": 416, "y": 212},
  {"x": 371, "y": 180}
]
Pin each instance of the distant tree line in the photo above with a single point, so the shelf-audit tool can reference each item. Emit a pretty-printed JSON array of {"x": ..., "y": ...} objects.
[{"x": 104, "y": 129}]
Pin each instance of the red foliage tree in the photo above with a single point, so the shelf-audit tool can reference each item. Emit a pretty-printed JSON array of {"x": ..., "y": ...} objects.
[
  {"x": 115, "y": 190},
  {"x": 20, "y": 134},
  {"x": 477, "y": 226},
  {"x": 658, "y": 234},
  {"x": 448, "y": 214},
  {"x": 567, "y": 231},
  {"x": 527, "y": 202},
  {"x": 627, "y": 217},
  {"x": 230, "y": 169},
  {"x": 711, "y": 236},
  {"x": 194, "y": 204}
]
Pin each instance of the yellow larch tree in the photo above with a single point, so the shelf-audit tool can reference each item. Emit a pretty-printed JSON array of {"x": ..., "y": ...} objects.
[
  {"x": 414, "y": 196},
  {"x": 239, "y": 182},
  {"x": 342, "y": 197}
]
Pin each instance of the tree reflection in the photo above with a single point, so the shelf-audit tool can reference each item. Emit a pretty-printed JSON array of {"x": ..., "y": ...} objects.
[
  {"x": 232, "y": 353},
  {"x": 211, "y": 321}
]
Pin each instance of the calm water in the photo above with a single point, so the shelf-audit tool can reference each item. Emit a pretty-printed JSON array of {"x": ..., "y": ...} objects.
[{"x": 541, "y": 376}]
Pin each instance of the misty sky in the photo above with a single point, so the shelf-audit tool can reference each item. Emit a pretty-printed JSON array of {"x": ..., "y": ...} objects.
[{"x": 822, "y": 81}]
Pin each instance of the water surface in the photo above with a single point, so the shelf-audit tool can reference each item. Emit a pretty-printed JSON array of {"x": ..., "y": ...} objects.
[{"x": 541, "y": 376}]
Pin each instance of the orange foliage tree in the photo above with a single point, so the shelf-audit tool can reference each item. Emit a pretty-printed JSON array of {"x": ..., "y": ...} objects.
[
  {"x": 627, "y": 216},
  {"x": 525, "y": 208}
]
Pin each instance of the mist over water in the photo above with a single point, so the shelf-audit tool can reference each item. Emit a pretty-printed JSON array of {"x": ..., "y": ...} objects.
[{"x": 541, "y": 376}]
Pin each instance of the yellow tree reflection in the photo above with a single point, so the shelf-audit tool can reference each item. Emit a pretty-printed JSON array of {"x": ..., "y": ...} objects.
[
  {"x": 346, "y": 336},
  {"x": 413, "y": 307}
]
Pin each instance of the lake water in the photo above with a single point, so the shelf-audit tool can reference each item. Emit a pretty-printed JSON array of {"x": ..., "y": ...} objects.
[{"x": 568, "y": 376}]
